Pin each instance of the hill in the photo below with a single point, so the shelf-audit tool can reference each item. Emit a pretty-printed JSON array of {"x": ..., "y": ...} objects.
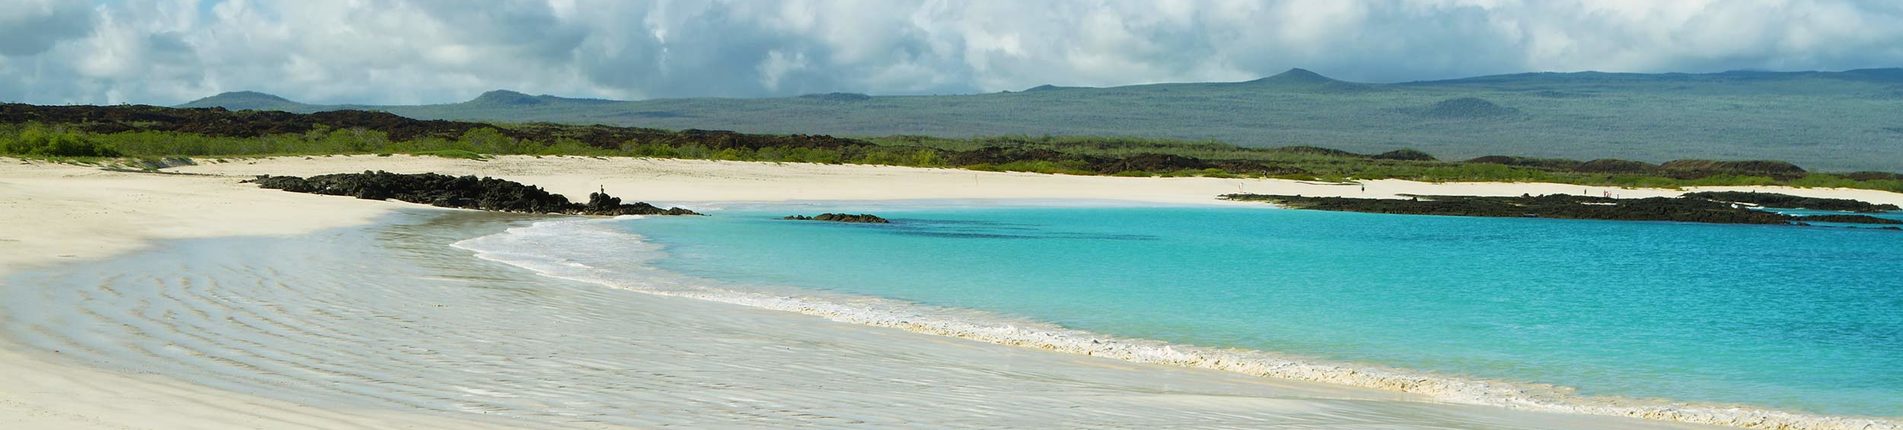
[
  {"x": 1850, "y": 120},
  {"x": 250, "y": 100},
  {"x": 507, "y": 99}
]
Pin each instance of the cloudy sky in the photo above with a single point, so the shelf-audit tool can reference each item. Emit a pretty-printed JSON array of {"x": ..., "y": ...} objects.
[{"x": 435, "y": 51}]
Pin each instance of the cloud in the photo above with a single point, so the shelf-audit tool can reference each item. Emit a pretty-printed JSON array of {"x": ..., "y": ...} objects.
[
  {"x": 31, "y": 27},
  {"x": 432, "y": 51}
]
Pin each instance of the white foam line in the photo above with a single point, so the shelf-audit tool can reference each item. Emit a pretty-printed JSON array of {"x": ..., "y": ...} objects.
[{"x": 538, "y": 247}]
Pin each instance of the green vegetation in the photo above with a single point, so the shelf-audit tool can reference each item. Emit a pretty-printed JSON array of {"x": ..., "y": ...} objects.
[
  {"x": 37, "y": 141},
  {"x": 1820, "y": 120},
  {"x": 1039, "y": 155},
  {"x": 1043, "y": 154}
]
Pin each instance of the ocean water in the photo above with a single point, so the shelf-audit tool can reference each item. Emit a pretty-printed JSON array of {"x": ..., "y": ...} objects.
[{"x": 1807, "y": 320}]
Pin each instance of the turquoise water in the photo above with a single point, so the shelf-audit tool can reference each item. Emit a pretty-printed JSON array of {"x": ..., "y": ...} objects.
[{"x": 1805, "y": 319}]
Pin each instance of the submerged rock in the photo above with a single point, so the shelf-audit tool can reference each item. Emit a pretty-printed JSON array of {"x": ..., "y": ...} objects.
[
  {"x": 833, "y": 217},
  {"x": 464, "y": 192}
]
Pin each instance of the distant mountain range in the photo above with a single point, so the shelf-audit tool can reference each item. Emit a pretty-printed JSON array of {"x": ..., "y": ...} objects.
[
  {"x": 253, "y": 100},
  {"x": 1849, "y": 120}
]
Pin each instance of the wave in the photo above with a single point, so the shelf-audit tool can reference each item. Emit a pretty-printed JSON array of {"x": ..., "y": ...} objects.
[{"x": 574, "y": 249}]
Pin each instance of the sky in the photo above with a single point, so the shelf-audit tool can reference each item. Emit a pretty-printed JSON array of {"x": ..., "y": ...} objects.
[{"x": 440, "y": 51}]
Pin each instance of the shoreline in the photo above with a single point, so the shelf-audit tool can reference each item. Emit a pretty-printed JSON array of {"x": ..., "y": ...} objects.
[
  {"x": 984, "y": 326},
  {"x": 61, "y": 214},
  {"x": 82, "y": 213}
]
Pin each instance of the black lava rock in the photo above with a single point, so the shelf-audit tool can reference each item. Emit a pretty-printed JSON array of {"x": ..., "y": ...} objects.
[
  {"x": 1686, "y": 209},
  {"x": 465, "y": 192},
  {"x": 860, "y": 218}
]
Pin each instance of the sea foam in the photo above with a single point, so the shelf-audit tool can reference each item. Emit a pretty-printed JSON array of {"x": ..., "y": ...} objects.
[{"x": 595, "y": 251}]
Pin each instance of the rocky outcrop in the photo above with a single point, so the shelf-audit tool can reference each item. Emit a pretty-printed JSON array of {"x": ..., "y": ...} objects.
[
  {"x": 1149, "y": 163},
  {"x": 1684, "y": 209},
  {"x": 1695, "y": 169},
  {"x": 1141, "y": 162},
  {"x": 464, "y": 192},
  {"x": 603, "y": 204},
  {"x": 1676, "y": 169},
  {"x": 1610, "y": 165},
  {"x": 1404, "y": 154},
  {"x": 833, "y": 217},
  {"x": 1776, "y": 200},
  {"x": 1847, "y": 219},
  {"x": 1537, "y": 163}
]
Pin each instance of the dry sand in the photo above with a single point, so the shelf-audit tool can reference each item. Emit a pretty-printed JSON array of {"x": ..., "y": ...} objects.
[
  {"x": 58, "y": 213},
  {"x": 669, "y": 181}
]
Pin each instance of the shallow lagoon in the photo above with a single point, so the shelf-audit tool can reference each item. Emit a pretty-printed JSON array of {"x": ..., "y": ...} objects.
[{"x": 1795, "y": 318}]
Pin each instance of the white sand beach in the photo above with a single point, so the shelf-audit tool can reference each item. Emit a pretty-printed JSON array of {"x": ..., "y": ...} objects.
[
  {"x": 664, "y": 180},
  {"x": 61, "y": 214}
]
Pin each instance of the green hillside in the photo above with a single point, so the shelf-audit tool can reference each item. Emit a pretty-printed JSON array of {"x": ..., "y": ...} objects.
[{"x": 1841, "y": 121}]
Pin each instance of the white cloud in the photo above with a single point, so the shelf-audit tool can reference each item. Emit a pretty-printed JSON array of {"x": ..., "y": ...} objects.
[{"x": 417, "y": 51}]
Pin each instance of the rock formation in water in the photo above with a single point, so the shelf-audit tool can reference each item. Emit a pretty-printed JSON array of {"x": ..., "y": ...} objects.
[
  {"x": 833, "y": 217},
  {"x": 1685, "y": 209},
  {"x": 465, "y": 192},
  {"x": 1776, "y": 200},
  {"x": 1847, "y": 219}
]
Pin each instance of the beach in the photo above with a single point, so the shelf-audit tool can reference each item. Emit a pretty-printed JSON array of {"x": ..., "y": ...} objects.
[
  {"x": 666, "y": 181},
  {"x": 62, "y": 215}
]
